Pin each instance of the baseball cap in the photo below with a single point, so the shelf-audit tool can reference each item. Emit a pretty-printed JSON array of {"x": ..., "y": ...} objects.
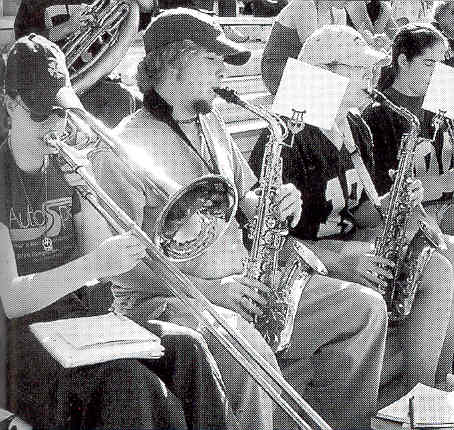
[
  {"x": 36, "y": 70},
  {"x": 339, "y": 44},
  {"x": 179, "y": 24}
]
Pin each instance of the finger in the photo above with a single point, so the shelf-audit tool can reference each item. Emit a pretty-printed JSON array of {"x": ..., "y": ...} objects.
[
  {"x": 288, "y": 209},
  {"x": 257, "y": 297},
  {"x": 373, "y": 280},
  {"x": 251, "y": 283},
  {"x": 382, "y": 272},
  {"x": 296, "y": 216},
  {"x": 240, "y": 310},
  {"x": 250, "y": 307},
  {"x": 377, "y": 260}
]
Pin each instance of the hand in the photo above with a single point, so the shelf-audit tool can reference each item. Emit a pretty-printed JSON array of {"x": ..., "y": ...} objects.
[
  {"x": 359, "y": 265},
  {"x": 117, "y": 255},
  {"x": 416, "y": 192},
  {"x": 73, "y": 178},
  {"x": 78, "y": 20},
  {"x": 242, "y": 295},
  {"x": 415, "y": 189},
  {"x": 381, "y": 41},
  {"x": 289, "y": 203}
]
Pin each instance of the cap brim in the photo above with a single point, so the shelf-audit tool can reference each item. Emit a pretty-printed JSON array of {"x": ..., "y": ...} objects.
[
  {"x": 67, "y": 98},
  {"x": 233, "y": 53}
]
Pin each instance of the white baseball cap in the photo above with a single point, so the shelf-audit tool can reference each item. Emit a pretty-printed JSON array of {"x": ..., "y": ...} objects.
[{"x": 339, "y": 44}]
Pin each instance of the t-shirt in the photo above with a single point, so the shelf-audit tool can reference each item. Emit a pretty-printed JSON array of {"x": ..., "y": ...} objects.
[
  {"x": 38, "y": 16},
  {"x": 45, "y": 213},
  {"x": 432, "y": 159},
  {"x": 326, "y": 177},
  {"x": 152, "y": 139},
  {"x": 413, "y": 10}
]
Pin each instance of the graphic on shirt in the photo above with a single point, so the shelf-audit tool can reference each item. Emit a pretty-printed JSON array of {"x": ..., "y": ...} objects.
[
  {"x": 335, "y": 195},
  {"x": 28, "y": 224},
  {"x": 42, "y": 238},
  {"x": 434, "y": 170}
]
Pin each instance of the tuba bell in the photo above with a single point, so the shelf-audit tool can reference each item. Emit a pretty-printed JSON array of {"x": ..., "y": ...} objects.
[
  {"x": 193, "y": 217},
  {"x": 97, "y": 48}
]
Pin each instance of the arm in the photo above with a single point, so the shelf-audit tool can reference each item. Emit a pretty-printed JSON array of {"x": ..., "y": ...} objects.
[
  {"x": 386, "y": 141},
  {"x": 74, "y": 23},
  {"x": 391, "y": 26},
  {"x": 357, "y": 12},
  {"x": 351, "y": 261},
  {"x": 304, "y": 18},
  {"x": 22, "y": 295}
]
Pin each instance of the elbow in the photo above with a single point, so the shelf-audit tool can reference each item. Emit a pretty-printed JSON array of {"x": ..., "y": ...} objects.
[
  {"x": 9, "y": 310},
  {"x": 13, "y": 306}
]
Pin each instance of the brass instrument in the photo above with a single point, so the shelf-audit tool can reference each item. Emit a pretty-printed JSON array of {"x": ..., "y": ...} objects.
[
  {"x": 96, "y": 48},
  {"x": 209, "y": 202},
  {"x": 268, "y": 234},
  {"x": 256, "y": 366},
  {"x": 410, "y": 263}
]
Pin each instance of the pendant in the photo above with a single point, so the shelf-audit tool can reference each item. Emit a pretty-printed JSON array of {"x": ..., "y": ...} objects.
[{"x": 47, "y": 243}]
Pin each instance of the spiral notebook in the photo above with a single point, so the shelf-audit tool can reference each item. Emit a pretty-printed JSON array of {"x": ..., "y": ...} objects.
[{"x": 82, "y": 341}]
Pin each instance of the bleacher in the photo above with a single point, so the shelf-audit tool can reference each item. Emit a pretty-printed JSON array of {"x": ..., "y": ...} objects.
[{"x": 244, "y": 126}]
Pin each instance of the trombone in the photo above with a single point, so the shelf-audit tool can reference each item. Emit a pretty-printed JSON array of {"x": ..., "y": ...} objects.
[{"x": 234, "y": 342}]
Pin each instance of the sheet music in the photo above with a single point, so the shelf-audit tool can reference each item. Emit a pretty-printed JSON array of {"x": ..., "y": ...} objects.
[
  {"x": 439, "y": 93},
  {"x": 317, "y": 91}
]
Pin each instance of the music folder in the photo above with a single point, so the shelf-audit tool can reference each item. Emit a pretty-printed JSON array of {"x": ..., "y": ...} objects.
[
  {"x": 83, "y": 341},
  {"x": 432, "y": 408}
]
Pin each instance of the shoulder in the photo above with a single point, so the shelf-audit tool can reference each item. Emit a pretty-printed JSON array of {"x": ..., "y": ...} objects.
[{"x": 375, "y": 113}]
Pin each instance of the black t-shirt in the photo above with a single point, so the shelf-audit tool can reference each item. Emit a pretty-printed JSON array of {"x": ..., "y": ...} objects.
[
  {"x": 325, "y": 176},
  {"x": 387, "y": 127},
  {"x": 36, "y": 213}
]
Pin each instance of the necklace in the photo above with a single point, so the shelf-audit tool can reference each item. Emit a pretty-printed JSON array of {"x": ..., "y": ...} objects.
[
  {"x": 46, "y": 241},
  {"x": 188, "y": 120}
]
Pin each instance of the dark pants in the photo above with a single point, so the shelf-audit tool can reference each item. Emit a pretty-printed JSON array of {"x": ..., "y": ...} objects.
[{"x": 121, "y": 394}]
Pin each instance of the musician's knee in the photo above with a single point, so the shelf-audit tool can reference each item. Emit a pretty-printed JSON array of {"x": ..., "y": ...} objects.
[
  {"x": 366, "y": 306},
  {"x": 438, "y": 275},
  {"x": 258, "y": 342}
]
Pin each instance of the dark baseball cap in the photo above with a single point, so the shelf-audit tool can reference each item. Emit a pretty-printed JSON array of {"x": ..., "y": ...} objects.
[
  {"x": 36, "y": 70},
  {"x": 180, "y": 24}
]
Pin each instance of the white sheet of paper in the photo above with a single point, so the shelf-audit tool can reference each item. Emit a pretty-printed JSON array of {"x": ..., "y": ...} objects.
[
  {"x": 439, "y": 93},
  {"x": 317, "y": 91}
]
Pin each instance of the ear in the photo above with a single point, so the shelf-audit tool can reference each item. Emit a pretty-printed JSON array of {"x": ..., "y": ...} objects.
[{"x": 402, "y": 61}]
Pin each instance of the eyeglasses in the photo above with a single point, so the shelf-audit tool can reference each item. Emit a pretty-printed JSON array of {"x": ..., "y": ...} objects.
[{"x": 41, "y": 117}]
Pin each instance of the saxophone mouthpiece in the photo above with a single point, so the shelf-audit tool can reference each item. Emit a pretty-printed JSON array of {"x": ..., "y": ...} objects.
[{"x": 228, "y": 95}]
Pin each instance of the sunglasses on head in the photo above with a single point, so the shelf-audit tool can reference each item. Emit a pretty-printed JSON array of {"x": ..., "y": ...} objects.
[{"x": 41, "y": 117}]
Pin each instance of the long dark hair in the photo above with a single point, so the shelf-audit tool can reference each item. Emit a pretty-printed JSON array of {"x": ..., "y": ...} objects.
[{"x": 411, "y": 40}]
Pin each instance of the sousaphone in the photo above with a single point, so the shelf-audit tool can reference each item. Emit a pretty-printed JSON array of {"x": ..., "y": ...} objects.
[{"x": 99, "y": 46}]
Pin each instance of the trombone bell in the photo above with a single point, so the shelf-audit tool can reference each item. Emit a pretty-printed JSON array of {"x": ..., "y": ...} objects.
[{"x": 194, "y": 216}]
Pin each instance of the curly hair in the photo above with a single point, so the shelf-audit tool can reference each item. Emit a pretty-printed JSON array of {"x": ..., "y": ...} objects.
[{"x": 152, "y": 69}]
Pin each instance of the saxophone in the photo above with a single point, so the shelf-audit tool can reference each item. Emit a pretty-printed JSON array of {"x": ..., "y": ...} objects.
[
  {"x": 409, "y": 263},
  {"x": 268, "y": 234}
]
